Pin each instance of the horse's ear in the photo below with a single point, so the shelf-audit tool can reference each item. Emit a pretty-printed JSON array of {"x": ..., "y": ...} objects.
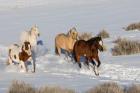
[
  {"x": 34, "y": 26},
  {"x": 69, "y": 32},
  {"x": 22, "y": 47},
  {"x": 74, "y": 28}
]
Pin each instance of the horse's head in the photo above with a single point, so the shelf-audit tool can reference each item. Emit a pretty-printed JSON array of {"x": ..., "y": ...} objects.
[
  {"x": 100, "y": 44},
  {"x": 35, "y": 31},
  {"x": 97, "y": 41},
  {"x": 73, "y": 33},
  {"x": 26, "y": 47}
]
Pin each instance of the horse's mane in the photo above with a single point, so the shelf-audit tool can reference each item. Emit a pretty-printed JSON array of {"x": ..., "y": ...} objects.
[
  {"x": 30, "y": 32},
  {"x": 97, "y": 38},
  {"x": 62, "y": 34},
  {"x": 94, "y": 40}
]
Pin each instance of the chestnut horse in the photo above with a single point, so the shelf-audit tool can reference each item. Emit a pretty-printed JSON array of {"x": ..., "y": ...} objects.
[
  {"x": 65, "y": 41},
  {"x": 88, "y": 49}
]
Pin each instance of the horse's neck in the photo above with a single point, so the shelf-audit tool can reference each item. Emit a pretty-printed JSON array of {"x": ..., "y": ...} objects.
[
  {"x": 32, "y": 35},
  {"x": 71, "y": 40},
  {"x": 32, "y": 38}
]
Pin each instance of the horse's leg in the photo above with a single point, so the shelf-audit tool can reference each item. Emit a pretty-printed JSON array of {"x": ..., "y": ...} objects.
[
  {"x": 9, "y": 61},
  {"x": 24, "y": 66},
  {"x": 56, "y": 50},
  {"x": 66, "y": 55},
  {"x": 78, "y": 60},
  {"x": 59, "y": 50},
  {"x": 87, "y": 62},
  {"x": 72, "y": 56},
  {"x": 33, "y": 64},
  {"x": 95, "y": 68},
  {"x": 98, "y": 61}
]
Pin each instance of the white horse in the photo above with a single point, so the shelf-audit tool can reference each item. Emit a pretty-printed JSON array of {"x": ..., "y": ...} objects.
[
  {"x": 30, "y": 36},
  {"x": 20, "y": 55}
]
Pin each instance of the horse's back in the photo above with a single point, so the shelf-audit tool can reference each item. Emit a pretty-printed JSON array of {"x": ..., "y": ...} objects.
[
  {"x": 15, "y": 48},
  {"x": 80, "y": 43},
  {"x": 61, "y": 36},
  {"x": 60, "y": 39},
  {"x": 79, "y": 46}
]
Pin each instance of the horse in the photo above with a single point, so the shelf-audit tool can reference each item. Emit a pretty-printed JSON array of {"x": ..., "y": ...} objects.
[
  {"x": 66, "y": 41},
  {"x": 30, "y": 36},
  {"x": 20, "y": 55},
  {"x": 89, "y": 49}
]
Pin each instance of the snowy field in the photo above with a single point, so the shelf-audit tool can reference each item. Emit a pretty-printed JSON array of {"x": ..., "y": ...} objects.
[{"x": 57, "y": 16}]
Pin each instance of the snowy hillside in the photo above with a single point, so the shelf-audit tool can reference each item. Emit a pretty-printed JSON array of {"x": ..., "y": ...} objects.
[{"x": 57, "y": 16}]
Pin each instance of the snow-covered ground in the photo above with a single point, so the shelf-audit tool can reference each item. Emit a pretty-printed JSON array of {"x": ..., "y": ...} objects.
[{"x": 56, "y": 16}]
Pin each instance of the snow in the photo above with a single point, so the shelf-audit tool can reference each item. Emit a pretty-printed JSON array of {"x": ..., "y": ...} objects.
[{"x": 58, "y": 16}]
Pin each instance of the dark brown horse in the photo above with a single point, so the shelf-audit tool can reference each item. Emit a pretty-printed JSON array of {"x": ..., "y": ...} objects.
[{"x": 88, "y": 49}]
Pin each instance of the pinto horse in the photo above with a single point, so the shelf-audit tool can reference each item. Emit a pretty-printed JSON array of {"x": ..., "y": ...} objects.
[
  {"x": 89, "y": 49},
  {"x": 20, "y": 55},
  {"x": 66, "y": 41}
]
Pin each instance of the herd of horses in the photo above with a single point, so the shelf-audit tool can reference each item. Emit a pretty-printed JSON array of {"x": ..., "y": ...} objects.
[{"x": 26, "y": 51}]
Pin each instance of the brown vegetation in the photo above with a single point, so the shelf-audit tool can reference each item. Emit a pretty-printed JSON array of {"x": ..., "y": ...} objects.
[
  {"x": 48, "y": 89},
  {"x": 103, "y": 34},
  {"x": 133, "y": 27},
  {"x": 133, "y": 89},
  {"x": 106, "y": 88},
  {"x": 22, "y": 87},
  {"x": 125, "y": 47},
  {"x": 110, "y": 87},
  {"x": 85, "y": 36}
]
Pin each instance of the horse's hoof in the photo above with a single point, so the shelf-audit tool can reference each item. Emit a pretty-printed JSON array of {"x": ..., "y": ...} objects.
[
  {"x": 97, "y": 74},
  {"x": 33, "y": 71}
]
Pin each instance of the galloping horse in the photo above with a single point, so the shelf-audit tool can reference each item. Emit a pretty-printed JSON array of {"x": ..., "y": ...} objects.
[
  {"x": 30, "y": 36},
  {"x": 65, "y": 41},
  {"x": 88, "y": 49},
  {"x": 20, "y": 55}
]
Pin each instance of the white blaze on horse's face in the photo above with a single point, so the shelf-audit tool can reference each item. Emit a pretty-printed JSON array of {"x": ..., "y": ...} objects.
[
  {"x": 101, "y": 43},
  {"x": 35, "y": 30}
]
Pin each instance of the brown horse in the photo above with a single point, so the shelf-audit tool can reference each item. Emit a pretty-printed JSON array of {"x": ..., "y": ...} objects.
[
  {"x": 65, "y": 41},
  {"x": 88, "y": 49}
]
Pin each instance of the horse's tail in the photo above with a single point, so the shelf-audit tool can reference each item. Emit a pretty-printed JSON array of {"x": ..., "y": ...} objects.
[
  {"x": 9, "y": 54},
  {"x": 56, "y": 51},
  {"x": 74, "y": 54}
]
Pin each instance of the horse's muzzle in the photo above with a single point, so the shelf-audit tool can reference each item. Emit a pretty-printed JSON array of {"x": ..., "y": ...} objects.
[
  {"x": 101, "y": 49},
  {"x": 38, "y": 35}
]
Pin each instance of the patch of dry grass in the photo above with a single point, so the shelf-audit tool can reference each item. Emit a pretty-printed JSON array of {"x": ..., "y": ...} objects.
[
  {"x": 125, "y": 47},
  {"x": 22, "y": 87},
  {"x": 48, "y": 89},
  {"x": 133, "y": 27},
  {"x": 106, "y": 88},
  {"x": 133, "y": 89},
  {"x": 85, "y": 36},
  {"x": 103, "y": 34},
  {"x": 110, "y": 87}
]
